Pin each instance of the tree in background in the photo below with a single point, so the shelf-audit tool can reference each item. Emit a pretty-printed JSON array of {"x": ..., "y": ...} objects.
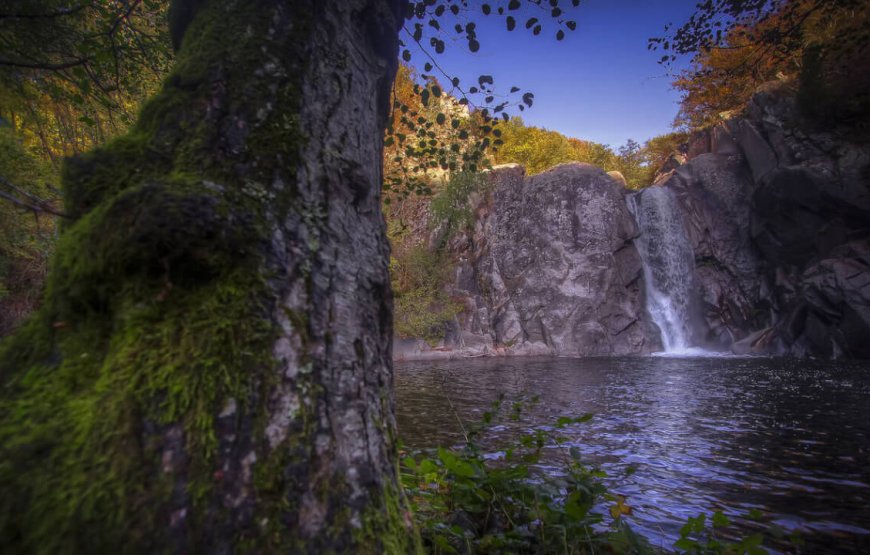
[
  {"x": 631, "y": 163},
  {"x": 658, "y": 149},
  {"x": 27, "y": 229},
  {"x": 539, "y": 149},
  {"x": 73, "y": 74},
  {"x": 822, "y": 46}
]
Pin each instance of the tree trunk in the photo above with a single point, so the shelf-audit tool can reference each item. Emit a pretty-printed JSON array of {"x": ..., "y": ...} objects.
[{"x": 211, "y": 370}]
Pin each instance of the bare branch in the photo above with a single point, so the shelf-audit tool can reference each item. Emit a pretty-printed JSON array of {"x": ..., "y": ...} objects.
[
  {"x": 32, "y": 207},
  {"x": 44, "y": 65},
  {"x": 35, "y": 203}
]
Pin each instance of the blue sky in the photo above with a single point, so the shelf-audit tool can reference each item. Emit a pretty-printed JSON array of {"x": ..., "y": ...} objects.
[{"x": 599, "y": 83}]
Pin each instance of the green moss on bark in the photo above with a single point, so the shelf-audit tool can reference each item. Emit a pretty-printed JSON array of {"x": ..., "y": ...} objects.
[
  {"x": 157, "y": 312},
  {"x": 160, "y": 319}
]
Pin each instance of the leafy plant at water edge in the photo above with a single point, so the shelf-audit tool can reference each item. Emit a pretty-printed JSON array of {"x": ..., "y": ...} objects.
[
  {"x": 705, "y": 535},
  {"x": 468, "y": 500},
  {"x": 699, "y": 535}
]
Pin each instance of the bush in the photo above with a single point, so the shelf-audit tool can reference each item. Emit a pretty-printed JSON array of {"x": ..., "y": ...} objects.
[
  {"x": 467, "y": 502},
  {"x": 422, "y": 307},
  {"x": 452, "y": 206}
]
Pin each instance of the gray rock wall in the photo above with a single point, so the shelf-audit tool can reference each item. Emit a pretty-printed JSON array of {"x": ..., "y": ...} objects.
[
  {"x": 779, "y": 220},
  {"x": 779, "y": 223},
  {"x": 549, "y": 268}
]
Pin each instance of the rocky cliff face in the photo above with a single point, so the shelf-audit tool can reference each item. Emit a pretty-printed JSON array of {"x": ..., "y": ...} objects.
[
  {"x": 779, "y": 220},
  {"x": 549, "y": 268}
]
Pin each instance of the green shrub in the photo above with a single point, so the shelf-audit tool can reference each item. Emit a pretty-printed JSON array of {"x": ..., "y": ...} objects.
[
  {"x": 508, "y": 498},
  {"x": 422, "y": 307},
  {"x": 466, "y": 502},
  {"x": 452, "y": 207}
]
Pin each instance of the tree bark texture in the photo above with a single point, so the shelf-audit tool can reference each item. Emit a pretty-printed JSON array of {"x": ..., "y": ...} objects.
[{"x": 211, "y": 371}]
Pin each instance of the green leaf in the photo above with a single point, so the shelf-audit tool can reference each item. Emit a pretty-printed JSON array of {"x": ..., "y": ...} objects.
[
  {"x": 454, "y": 464},
  {"x": 563, "y": 421},
  {"x": 755, "y": 540},
  {"x": 686, "y": 544},
  {"x": 427, "y": 466},
  {"x": 720, "y": 520},
  {"x": 576, "y": 505}
]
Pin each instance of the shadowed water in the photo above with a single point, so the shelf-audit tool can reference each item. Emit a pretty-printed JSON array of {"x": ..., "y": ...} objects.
[{"x": 790, "y": 438}]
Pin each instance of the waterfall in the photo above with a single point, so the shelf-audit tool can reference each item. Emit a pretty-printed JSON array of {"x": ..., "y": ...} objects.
[{"x": 668, "y": 264}]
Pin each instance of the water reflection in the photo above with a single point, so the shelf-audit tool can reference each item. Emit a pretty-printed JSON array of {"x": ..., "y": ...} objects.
[{"x": 791, "y": 438}]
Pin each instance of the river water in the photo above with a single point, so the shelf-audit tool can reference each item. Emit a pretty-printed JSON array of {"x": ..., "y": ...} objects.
[{"x": 789, "y": 438}]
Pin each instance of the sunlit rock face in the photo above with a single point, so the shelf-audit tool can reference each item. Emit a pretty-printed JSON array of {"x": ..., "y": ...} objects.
[
  {"x": 549, "y": 268},
  {"x": 779, "y": 220}
]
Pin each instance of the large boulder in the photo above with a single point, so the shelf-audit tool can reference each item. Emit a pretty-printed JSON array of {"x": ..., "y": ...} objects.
[
  {"x": 561, "y": 268},
  {"x": 549, "y": 268}
]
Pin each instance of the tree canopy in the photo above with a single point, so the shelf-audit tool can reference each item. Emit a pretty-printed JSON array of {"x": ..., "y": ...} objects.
[
  {"x": 819, "y": 46},
  {"x": 74, "y": 74}
]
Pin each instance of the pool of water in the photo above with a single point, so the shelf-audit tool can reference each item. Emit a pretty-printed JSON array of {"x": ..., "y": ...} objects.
[{"x": 789, "y": 438}]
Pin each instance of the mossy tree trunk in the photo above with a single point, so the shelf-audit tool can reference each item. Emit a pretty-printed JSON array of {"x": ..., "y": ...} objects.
[{"x": 211, "y": 370}]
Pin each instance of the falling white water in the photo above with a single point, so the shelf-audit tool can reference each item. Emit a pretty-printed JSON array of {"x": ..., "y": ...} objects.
[{"x": 668, "y": 264}]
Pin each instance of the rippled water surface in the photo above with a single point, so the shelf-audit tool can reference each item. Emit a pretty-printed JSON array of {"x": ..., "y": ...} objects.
[{"x": 790, "y": 438}]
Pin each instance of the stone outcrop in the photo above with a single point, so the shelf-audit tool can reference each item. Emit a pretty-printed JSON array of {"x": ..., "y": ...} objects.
[
  {"x": 779, "y": 220},
  {"x": 549, "y": 268}
]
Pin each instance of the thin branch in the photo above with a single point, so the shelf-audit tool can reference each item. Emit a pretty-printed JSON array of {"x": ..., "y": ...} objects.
[
  {"x": 43, "y": 65},
  {"x": 435, "y": 64},
  {"x": 35, "y": 203},
  {"x": 34, "y": 208},
  {"x": 124, "y": 16}
]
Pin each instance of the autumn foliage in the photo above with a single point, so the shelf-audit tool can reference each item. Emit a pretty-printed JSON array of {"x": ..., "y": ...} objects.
[{"x": 820, "y": 47}]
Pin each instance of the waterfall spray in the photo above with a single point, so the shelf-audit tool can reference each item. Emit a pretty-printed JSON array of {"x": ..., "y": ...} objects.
[{"x": 668, "y": 264}]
